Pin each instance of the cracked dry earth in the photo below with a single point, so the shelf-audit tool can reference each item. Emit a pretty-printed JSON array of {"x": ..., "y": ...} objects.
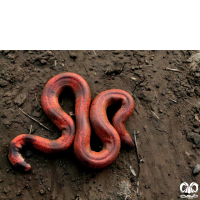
[{"x": 167, "y": 113}]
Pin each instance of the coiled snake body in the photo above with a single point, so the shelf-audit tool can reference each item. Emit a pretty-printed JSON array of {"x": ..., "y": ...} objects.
[{"x": 110, "y": 135}]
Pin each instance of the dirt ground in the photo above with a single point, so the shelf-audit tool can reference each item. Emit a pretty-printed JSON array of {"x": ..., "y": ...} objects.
[{"x": 167, "y": 113}]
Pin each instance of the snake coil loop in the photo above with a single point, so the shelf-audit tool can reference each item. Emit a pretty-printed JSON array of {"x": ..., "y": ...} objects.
[{"x": 110, "y": 135}]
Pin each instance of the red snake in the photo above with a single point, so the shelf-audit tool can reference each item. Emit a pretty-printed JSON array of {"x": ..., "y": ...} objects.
[{"x": 110, "y": 135}]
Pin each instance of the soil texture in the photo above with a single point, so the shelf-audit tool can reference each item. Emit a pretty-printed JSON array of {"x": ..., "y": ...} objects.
[{"x": 165, "y": 86}]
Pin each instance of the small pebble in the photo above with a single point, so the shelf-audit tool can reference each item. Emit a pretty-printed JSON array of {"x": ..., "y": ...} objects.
[
  {"x": 19, "y": 193},
  {"x": 136, "y": 67},
  {"x": 41, "y": 191},
  {"x": 146, "y": 186},
  {"x": 157, "y": 86},
  {"x": 43, "y": 62},
  {"x": 72, "y": 55},
  {"x": 196, "y": 124},
  {"x": 160, "y": 111},
  {"x": 164, "y": 93},
  {"x": 91, "y": 68},
  {"x": 3, "y": 83},
  {"x": 196, "y": 169},
  {"x": 27, "y": 62}
]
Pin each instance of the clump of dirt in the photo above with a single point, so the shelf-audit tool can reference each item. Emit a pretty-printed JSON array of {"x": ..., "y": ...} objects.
[{"x": 165, "y": 87}]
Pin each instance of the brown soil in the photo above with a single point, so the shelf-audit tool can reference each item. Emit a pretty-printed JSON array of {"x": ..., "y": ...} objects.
[{"x": 167, "y": 108}]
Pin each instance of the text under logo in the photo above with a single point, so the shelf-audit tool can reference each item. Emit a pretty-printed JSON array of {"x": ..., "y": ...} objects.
[{"x": 189, "y": 190}]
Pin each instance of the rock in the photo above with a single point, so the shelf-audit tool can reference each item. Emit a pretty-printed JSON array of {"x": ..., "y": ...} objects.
[
  {"x": 49, "y": 53},
  {"x": 78, "y": 197},
  {"x": 143, "y": 84},
  {"x": 43, "y": 62},
  {"x": 197, "y": 75},
  {"x": 30, "y": 52},
  {"x": 19, "y": 193},
  {"x": 164, "y": 93},
  {"x": 27, "y": 62},
  {"x": 191, "y": 93},
  {"x": 20, "y": 99},
  {"x": 194, "y": 137},
  {"x": 136, "y": 67},
  {"x": 115, "y": 70},
  {"x": 157, "y": 86},
  {"x": 3, "y": 83},
  {"x": 194, "y": 58},
  {"x": 197, "y": 91},
  {"x": 160, "y": 111},
  {"x": 11, "y": 56},
  {"x": 196, "y": 124},
  {"x": 193, "y": 146},
  {"x": 72, "y": 54},
  {"x": 197, "y": 130},
  {"x": 41, "y": 191},
  {"x": 147, "y": 187},
  {"x": 154, "y": 70},
  {"x": 196, "y": 169}
]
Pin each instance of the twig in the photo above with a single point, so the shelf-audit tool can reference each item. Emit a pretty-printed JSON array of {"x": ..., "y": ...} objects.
[
  {"x": 71, "y": 113},
  {"x": 138, "y": 159},
  {"x": 30, "y": 129},
  {"x": 132, "y": 171},
  {"x": 34, "y": 119},
  {"x": 94, "y": 52},
  {"x": 155, "y": 114},
  {"x": 174, "y": 70},
  {"x": 37, "y": 101},
  {"x": 136, "y": 111},
  {"x": 173, "y": 100}
]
